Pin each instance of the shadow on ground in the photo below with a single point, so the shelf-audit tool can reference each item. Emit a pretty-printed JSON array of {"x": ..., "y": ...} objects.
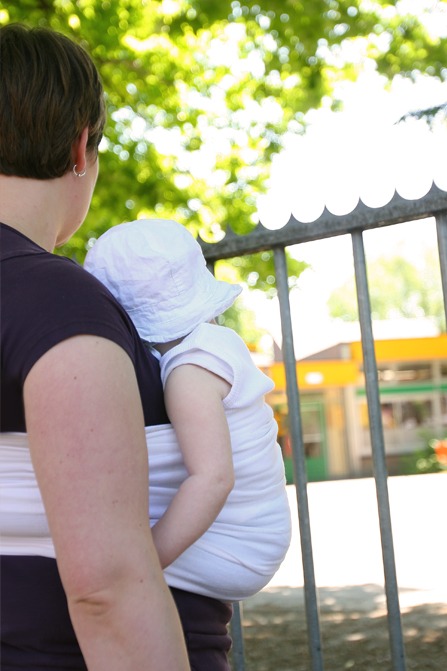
[{"x": 354, "y": 631}]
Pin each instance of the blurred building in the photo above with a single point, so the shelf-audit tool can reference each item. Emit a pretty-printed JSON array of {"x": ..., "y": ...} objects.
[{"x": 413, "y": 392}]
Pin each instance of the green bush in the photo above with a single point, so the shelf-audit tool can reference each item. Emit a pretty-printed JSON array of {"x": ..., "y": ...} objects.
[{"x": 421, "y": 461}]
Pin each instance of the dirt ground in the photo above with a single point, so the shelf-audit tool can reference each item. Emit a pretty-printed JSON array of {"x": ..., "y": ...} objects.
[
  {"x": 354, "y": 633},
  {"x": 349, "y": 576}
]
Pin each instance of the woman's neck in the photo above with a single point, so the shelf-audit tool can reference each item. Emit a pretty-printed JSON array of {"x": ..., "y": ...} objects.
[{"x": 30, "y": 206}]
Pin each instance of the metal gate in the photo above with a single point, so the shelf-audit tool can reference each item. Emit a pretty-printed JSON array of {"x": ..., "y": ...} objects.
[{"x": 398, "y": 210}]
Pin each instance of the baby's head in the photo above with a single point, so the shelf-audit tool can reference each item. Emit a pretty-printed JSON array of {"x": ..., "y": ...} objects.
[{"x": 157, "y": 271}]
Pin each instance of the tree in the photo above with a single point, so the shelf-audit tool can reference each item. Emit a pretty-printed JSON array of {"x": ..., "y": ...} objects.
[
  {"x": 397, "y": 289},
  {"x": 429, "y": 115},
  {"x": 200, "y": 94}
]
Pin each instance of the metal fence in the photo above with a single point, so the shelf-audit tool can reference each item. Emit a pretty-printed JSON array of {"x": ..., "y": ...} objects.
[{"x": 398, "y": 210}]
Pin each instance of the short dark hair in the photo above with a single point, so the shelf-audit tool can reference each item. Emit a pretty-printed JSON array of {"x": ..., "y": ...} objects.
[{"x": 50, "y": 91}]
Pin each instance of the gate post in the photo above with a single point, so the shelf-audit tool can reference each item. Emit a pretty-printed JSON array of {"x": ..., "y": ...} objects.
[
  {"x": 299, "y": 462},
  {"x": 378, "y": 455}
]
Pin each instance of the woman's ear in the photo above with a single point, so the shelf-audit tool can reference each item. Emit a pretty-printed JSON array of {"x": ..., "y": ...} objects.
[{"x": 79, "y": 151}]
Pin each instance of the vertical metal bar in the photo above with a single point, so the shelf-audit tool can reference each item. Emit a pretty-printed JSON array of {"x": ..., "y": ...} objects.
[
  {"x": 378, "y": 454},
  {"x": 238, "y": 653},
  {"x": 236, "y": 625},
  {"x": 299, "y": 462},
  {"x": 441, "y": 228}
]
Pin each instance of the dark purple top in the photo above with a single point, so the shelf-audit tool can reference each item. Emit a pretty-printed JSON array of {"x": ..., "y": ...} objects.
[{"x": 46, "y": 299}]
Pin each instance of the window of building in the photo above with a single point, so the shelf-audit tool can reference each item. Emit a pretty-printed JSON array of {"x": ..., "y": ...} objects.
[{"x": 411, "y": 372}]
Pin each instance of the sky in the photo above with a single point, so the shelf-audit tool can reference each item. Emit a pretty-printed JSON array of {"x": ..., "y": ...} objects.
[{"x": 359, "y": 152}]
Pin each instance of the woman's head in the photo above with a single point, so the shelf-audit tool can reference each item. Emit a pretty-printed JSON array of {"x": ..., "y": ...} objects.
[{"x": 49, "y": 92}]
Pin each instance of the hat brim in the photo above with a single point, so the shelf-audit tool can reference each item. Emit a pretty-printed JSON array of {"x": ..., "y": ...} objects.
[{"x": 217, "y": 298}]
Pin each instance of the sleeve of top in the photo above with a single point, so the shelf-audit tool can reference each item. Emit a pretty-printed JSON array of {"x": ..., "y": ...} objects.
[
  {"x": 200, "y": 351},
  {"x": 220, "y": 350},
  {"x": 62, "y": 300}
]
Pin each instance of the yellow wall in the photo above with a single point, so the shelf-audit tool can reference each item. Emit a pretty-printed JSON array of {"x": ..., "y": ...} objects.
[
  {"x": 407, "y": 349},
  {"x": 341, "y": 373},
  {"x": 317, "y": 374}
]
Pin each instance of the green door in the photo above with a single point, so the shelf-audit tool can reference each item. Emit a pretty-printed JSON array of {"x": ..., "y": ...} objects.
[{"x": 314, "y": 435}]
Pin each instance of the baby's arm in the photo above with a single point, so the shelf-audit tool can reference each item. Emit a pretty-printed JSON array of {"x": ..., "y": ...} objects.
[{"x": 193, "y": 398}]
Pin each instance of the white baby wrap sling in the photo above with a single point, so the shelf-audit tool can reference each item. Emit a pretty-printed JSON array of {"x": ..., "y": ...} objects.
[
  {"x": 241, "y": 551},
  {"x": 235, "y": 558}
]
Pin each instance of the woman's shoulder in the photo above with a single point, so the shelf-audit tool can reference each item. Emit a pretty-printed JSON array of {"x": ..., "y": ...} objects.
[{"x": 47, "y": 298}]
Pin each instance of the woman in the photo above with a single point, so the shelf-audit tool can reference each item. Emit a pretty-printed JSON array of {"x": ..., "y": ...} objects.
[{"x": 73, "y": 403}]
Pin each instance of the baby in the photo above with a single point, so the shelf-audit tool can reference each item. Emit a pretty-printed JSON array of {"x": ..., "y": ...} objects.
[{"x": 218, "y": 502}]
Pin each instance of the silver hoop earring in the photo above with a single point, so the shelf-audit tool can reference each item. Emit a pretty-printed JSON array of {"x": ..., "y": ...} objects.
[{"x": 78, "y": 174}]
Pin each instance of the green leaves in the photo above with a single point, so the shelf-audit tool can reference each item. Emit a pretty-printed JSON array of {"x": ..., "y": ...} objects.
[
  {"x": 397, "y": 289},
  {"x": 200, "y": 94}
]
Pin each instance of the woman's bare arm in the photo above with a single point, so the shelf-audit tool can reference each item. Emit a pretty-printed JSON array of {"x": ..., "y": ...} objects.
[
  {"x": 193, "y": 398},
  {"x": 86, "y": 435}
]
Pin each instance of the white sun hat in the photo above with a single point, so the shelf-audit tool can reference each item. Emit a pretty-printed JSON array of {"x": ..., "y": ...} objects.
[{"x": 156, "y": 270}]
